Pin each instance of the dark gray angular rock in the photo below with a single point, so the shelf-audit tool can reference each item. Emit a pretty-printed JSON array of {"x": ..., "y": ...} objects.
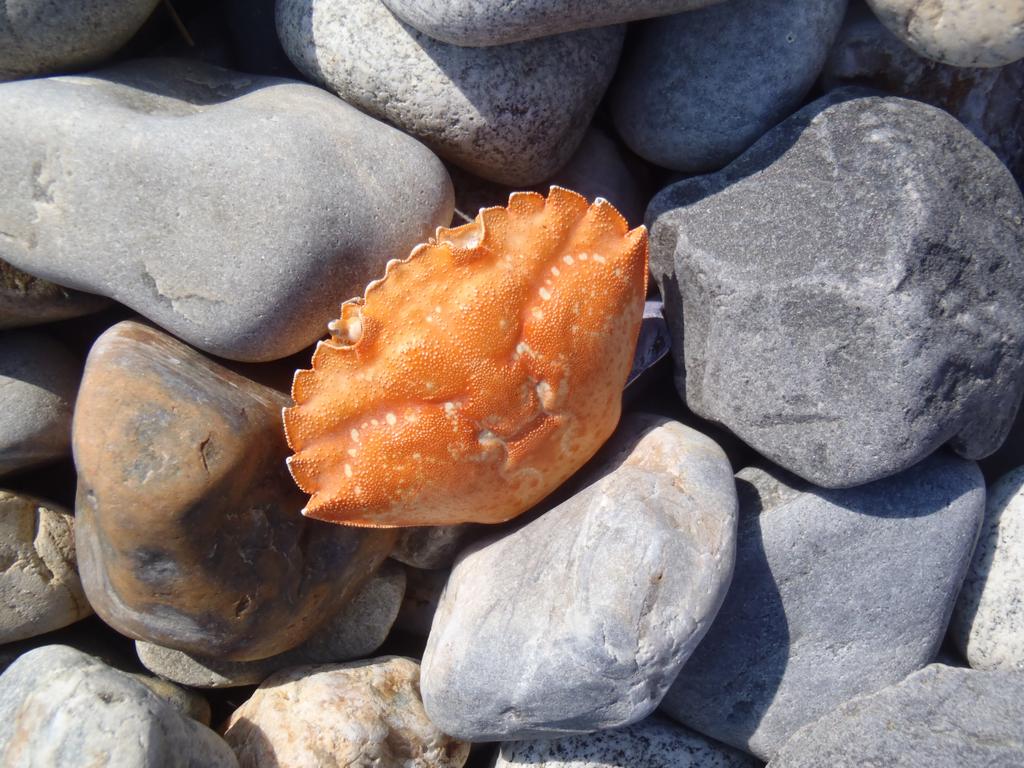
[
  {"x": 940, "y": 717},
  {"x": 580, "y": 619},
  {"x": 836, "y": 593},
  {"x": 651, "y": 743},
  {"x": 852, "y": 290},
  {"x": 41, "y": 36},
  {"x": 495, "y": 22},
  {"x": 38, "y": 381},
  {"x": 27, "y": 300},
  {"x": 698, "y": 88},
  {"x": 276, "y": 200},
  {"x": 59, "y": 706},
  {"x": 512, "y": 114}
]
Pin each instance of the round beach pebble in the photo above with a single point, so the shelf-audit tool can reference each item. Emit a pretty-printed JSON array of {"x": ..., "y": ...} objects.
[
  {"x": 61, "y": 707},
  {"x": 189, "y": 532},
  {"x": 39, "y": 586},
  {"x": 988, "y": 622},
  {"x": 38, "y": 381},
  {"x": 28, "y": 300},
  {"x": 360, "y": 714},
  {"x": 188, "y": 703},
  {"x": 964, "y": 33},
  {"x": 41, "y": 36},
  {"x": 512, "y": 114}
]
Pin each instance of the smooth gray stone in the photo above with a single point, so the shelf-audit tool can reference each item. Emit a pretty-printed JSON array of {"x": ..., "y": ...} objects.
[
  {"x": 651, "y": 743},
  {"x": 38, "y": 381},
  {"x": 39, "y": 586},
  {"x": 188, "y": 703},
  {"x": 496, "y": 22},
  {"x": 988, "y": 621},
  {"x": 852, "y": 290},
  {"x": 836, "y": 593},
  {"x": 512, "y": 114},
  {"x": 698, "y": 88},
  {"x": 59, "y": 706},
  {"x": 41, "y": 36},
  {"x": 355, "y": 632},
  {"x": 581, "y": 619},
  {"x": 27, "y": 300},
  {"x": 237, "y": 210},
  {"x": 939, "y": 717},
  {"x": 434, "y": 546}
]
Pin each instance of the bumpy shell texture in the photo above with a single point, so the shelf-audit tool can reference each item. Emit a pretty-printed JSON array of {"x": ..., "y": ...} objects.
[{"x": 478, "y": 374}]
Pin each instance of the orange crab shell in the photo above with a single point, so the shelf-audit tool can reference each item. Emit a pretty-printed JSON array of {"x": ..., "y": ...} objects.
[{"x": 477, "y": 375}]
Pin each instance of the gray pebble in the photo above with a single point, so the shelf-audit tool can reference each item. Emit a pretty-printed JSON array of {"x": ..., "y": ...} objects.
[
  {"x": 432, "y": 547},
  {"x": 422, "y": 596},
  {"x": 836, "y": 593},
  {"x": 698, "y": 88},
  {"x": 939, "y": 717},
  {"x": 852, "y": 290},
  {"x": 27, "y": 300},
  {"x": 276, "y": 200},
  {"x": 61, "y": 707},
  {"x": 580, "y": 619},
  {"x": 512, "y": 114},
  {"x": 188, "y": 703}
]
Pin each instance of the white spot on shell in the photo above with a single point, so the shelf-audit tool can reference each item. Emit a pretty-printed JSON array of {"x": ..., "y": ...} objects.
[
  {"x": 556, "y": 271},
  {"x": 599, "y": 258},
  {"x": 348, "y": 470},
  {"x": 545, "y": 293},
  {"x": 354, "y": 434},
  {"x": 537, "y": 313},
  {"x": 391, "y": 419},
  {"x": 584, "y": 256},
  {"x": 567, "y": 259}
]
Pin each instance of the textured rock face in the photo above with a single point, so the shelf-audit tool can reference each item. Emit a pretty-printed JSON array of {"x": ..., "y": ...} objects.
[
  {"x": 27, "y": 300},
  {"x": 493, "y": 22},
  {"x": 365, "y": 713},
  {"x": 432, "y": 546},
  {"x": 940, "y": 717},
  {"x": 248, "y": 277},
  {"x": 964, "y": 33},
  {"x": 651, "y": 743},
  {"x": 538, "y": 632},
  {"x": 38, "y": 381},
  {"x": 41, "y": 36},
  {"x": 851, "y": 290},
  {"x": 59, "y": 706},
  {"x": 698, "y": 88},
  {"x": 512, "y": 114},
  {"x": 39, "y": 586},
  {"x": 188, "y": 529},
  {"x": 986, "y": 100},
  {"x": 354, "y": 632},
  {"x": 836, "y": 593},
  {"x": 988, "y": 623}
]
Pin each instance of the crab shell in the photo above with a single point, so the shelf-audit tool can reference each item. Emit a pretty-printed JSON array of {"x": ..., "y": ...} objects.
[{"x": 478, "y": 374}]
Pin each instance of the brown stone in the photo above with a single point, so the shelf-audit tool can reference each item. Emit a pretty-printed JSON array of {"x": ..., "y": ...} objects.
[{"x": 189, "y": 533}]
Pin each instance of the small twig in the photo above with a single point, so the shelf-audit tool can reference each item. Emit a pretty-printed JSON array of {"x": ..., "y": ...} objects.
[{"x": 177, "y": 22}]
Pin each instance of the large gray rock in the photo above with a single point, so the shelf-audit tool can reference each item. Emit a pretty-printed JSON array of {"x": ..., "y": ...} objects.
[
  {"x": 940, "y": 717},
  {"x": 41, "y": 36},
  {"x": 698, "y": 88},
  {"x": 986, "y": 100},
  {"x": 494, "y": 22},
  {"x": 836, "y": 593},
  {"x": 59, "y": 706},
  {"x": 651, "y": 743},
  {"x": 988, "y": 621},
  {"x": 253, "y": 276},
  {"x": 581, "y": 619},
  {"x": 852, "y": 290},
  {"x": 964, "y": 33},
  {"x": 39, "y": 586},
  {"x": 512, "y": 114},
  {"x": 38, "y": 381},
  {"x": 27, "y": 300}
]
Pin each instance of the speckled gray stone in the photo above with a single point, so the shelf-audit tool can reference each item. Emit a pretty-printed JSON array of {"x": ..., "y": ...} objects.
[
  {"x": 697, "y": 89},
  {"x": 852, "y": 290},
  {"x": 38, "y": 381},
  {"x": 253, "y": 276},
  {"x": 986, "y": 100},
  {"x": 41, "y": 36},
  {"x": 580, "y": 619},
  {"x": 988, "y": 622},
  {"x": 357, "y": 631},
  {"x": 836, "y": 593},
  {"x": 939, "y": 717},
  {"x": 651, "y": 743},
  {"x": 434, "y": 546},
  {"x": 495, "y": 22},
  {"x": 39, "y": 586},
  {"x": 512, "y": 114},
  {"x": 422, "y": 595},
  {"x": 27, "y": 300},
  {"x": 59, "y": 706},
  {"x": 964, "y": 33}
]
